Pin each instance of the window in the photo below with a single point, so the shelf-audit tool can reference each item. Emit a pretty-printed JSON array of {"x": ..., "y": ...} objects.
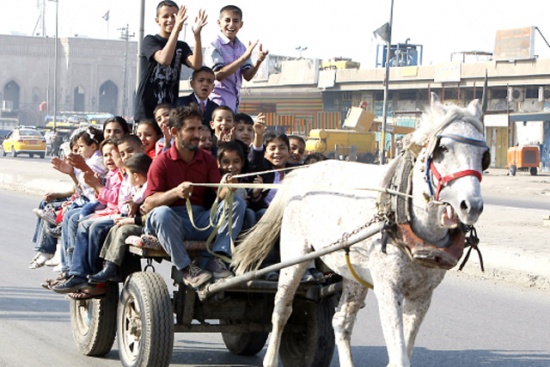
[{"x": 499, "y": 93}]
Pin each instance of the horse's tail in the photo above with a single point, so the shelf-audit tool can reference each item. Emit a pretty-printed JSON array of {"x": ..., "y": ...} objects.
[{"x": 259, "y": 241}]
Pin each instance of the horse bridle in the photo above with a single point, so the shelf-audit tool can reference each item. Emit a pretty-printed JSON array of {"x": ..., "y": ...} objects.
[{"x": 442, "y": 181}]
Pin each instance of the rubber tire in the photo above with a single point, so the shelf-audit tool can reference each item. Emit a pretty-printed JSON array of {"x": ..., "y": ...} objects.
[
  {"x": 13, "y": 152},
  {"x": 243, "y": 344},
  {"x": 513, "y": 170},
  {"x": 4, "y": 153},
  {"x": 145, "y": 306},
  {"x": 316, "y": 347},
  {"x": 533, "y": 171},
  {"x": 94, "y": 323},
  {"x": 42, "y": 155},
  {"x": 31, "y": 155}
]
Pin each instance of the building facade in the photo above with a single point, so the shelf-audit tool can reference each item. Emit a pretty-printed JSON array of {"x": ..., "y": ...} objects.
[{"x": 92, "y": 75}]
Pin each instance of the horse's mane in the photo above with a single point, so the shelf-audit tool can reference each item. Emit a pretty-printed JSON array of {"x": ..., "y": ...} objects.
[{"x": 433, "y": 122}]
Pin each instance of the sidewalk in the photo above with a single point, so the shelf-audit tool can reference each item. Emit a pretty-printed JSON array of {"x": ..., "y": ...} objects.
[{"x": 513, "y": 241}]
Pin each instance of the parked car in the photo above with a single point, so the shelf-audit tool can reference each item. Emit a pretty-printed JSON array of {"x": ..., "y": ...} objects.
[{"x": 24, "y": 140}]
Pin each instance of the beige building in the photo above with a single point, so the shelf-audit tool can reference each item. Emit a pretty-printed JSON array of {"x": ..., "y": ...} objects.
[{"x": 93, "y": 75}]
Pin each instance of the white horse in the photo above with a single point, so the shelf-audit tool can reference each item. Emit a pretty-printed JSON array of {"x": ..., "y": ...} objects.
[{"x": 316, "y": 205}]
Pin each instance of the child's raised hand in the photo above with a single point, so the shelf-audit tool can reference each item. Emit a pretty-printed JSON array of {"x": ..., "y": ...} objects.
[
  {"x": 261, "y": 55},
  {"x": 181, "y": 17},
  {"x": 226, "y": 133},
  {"x": 62, "y": 166},
  {"x": 259, "y": 124},
  {"x": 250, "y": 48},
  {"x": 78, "y": 161},
  {"x": 91, "y": 179},
  {"x": 200, "y": 21}
]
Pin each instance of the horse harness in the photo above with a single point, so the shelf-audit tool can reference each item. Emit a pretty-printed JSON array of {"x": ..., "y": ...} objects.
[{"x": 395, "y": 210}]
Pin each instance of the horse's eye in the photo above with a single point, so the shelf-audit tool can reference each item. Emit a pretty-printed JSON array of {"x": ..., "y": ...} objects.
[{"x": 443, "y": 149}]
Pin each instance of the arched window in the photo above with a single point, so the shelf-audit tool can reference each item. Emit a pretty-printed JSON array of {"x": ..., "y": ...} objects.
[{"x": 108, "y": 98}]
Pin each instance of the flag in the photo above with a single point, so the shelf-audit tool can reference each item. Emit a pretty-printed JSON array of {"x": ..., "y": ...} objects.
[
  {"x": 383, "y": 33},
  {"x": 106, "y": 16}
]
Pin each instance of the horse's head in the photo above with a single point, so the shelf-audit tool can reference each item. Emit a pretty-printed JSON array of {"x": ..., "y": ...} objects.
[{"x": 452, "y": 161}]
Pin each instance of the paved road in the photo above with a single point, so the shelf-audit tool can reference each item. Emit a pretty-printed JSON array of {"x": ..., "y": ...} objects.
[{"x": 472, "y": 322}]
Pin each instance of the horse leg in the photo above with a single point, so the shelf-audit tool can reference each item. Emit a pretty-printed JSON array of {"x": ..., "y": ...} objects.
[
  {"x": 390, "y": 307},
  {"x": 289, "y": 280},
  {"x": 351, "y": 301},
  {"x": 414, "y": 311}
]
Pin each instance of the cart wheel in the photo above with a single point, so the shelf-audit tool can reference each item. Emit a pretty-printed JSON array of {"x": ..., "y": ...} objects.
[
  {"x": 145, "y": 321},
  {"x": 243, "y": 344},
  {"x": 513, "y": 170},
  {"x": 533, "y": 171},
  {"x": 315, "y": 346},
  {"x": 94, "y": 323}
]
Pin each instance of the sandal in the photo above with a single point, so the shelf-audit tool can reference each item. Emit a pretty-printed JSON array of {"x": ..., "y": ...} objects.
[
  {"x": 49, "y": 283},
  {"x": 84, "y": 295}
]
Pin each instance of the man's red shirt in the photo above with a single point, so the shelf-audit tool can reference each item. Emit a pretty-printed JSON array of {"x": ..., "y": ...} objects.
[{"x": 168, "y": 170}]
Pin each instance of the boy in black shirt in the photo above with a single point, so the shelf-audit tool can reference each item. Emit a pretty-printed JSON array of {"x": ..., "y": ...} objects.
[{"x": 161, "y": 57}]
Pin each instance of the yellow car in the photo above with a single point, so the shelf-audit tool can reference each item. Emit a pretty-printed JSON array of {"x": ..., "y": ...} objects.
[{"x": 24, "y": 140}]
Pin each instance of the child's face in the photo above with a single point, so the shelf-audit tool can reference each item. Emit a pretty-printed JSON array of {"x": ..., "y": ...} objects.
[
  {"x": 136, "y": 179},
  {"x": 297, "y": 150},
  {"x": 244, "y": 132},
  {"x": 113, "y": 130},
  {"x": 166, "y": 19},
  {"x": 148, "y": 136},
  {"x": 109, "y": 152},
  {"x": 231, "y": 162},
  {"x": 276, "y": 152},
  {"x": 222, "y": 121},
  {"x": 86, "y": 150},
  {"x": 205, "y": 139},
  {"x": 127, "y": 149},
  {"x": 203, "y": 84},
  {"x": 74, "y": 148},
  {"x": 161, "y": 117},
  {"x": 230, "y": 23}
]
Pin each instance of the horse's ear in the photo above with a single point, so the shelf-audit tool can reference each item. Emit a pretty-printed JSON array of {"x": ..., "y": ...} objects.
[
  {"x": 436, "y": 105},
  {"x": 474, "y": 108},
  {"x": 434, "y": 98}
]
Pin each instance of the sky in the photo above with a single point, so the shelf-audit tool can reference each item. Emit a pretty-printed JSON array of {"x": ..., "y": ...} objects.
[{"x": 328, "y": 29}]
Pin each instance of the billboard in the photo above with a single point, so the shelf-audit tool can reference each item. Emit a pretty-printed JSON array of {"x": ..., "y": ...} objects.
[{"x": 515, "y": 44}]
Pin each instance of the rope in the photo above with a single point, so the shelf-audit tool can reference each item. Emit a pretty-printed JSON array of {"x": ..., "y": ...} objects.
[{"x": 355, "y": 275}]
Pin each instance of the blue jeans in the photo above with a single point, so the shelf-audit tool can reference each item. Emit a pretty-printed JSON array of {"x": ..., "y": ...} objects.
[
  {"x": 68, "y": 234},
  {"x": 89, "y": 239},
  {"x": 172, "y": 227},
  {"x": 43, "y": 242}
]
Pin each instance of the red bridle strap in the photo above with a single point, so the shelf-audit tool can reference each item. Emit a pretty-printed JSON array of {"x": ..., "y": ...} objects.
[{"x": 443, "y": 181}]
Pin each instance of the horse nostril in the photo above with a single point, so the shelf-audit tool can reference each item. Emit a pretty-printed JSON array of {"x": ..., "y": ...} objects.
[{"x": 473, "y": 205}]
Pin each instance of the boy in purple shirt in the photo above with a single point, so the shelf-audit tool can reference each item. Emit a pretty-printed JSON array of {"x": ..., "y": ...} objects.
[{"x": 230, "y": 59}]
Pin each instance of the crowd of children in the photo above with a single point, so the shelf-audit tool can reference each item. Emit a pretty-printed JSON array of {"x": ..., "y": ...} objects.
[{"x": 137, "y": 184}]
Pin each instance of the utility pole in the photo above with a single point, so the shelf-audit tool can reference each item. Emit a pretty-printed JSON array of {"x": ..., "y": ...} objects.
[
  {"x": 386, "y": 91},
  {"x": 55, "y": 66},
  {"x": 125, "y": 35}
]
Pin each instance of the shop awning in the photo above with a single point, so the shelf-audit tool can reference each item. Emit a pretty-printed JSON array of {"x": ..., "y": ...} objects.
[{"x": 530, "y": 116}]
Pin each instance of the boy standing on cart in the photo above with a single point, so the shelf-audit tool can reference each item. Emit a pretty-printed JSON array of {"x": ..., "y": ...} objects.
[{"x": 161, "y": 57}]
